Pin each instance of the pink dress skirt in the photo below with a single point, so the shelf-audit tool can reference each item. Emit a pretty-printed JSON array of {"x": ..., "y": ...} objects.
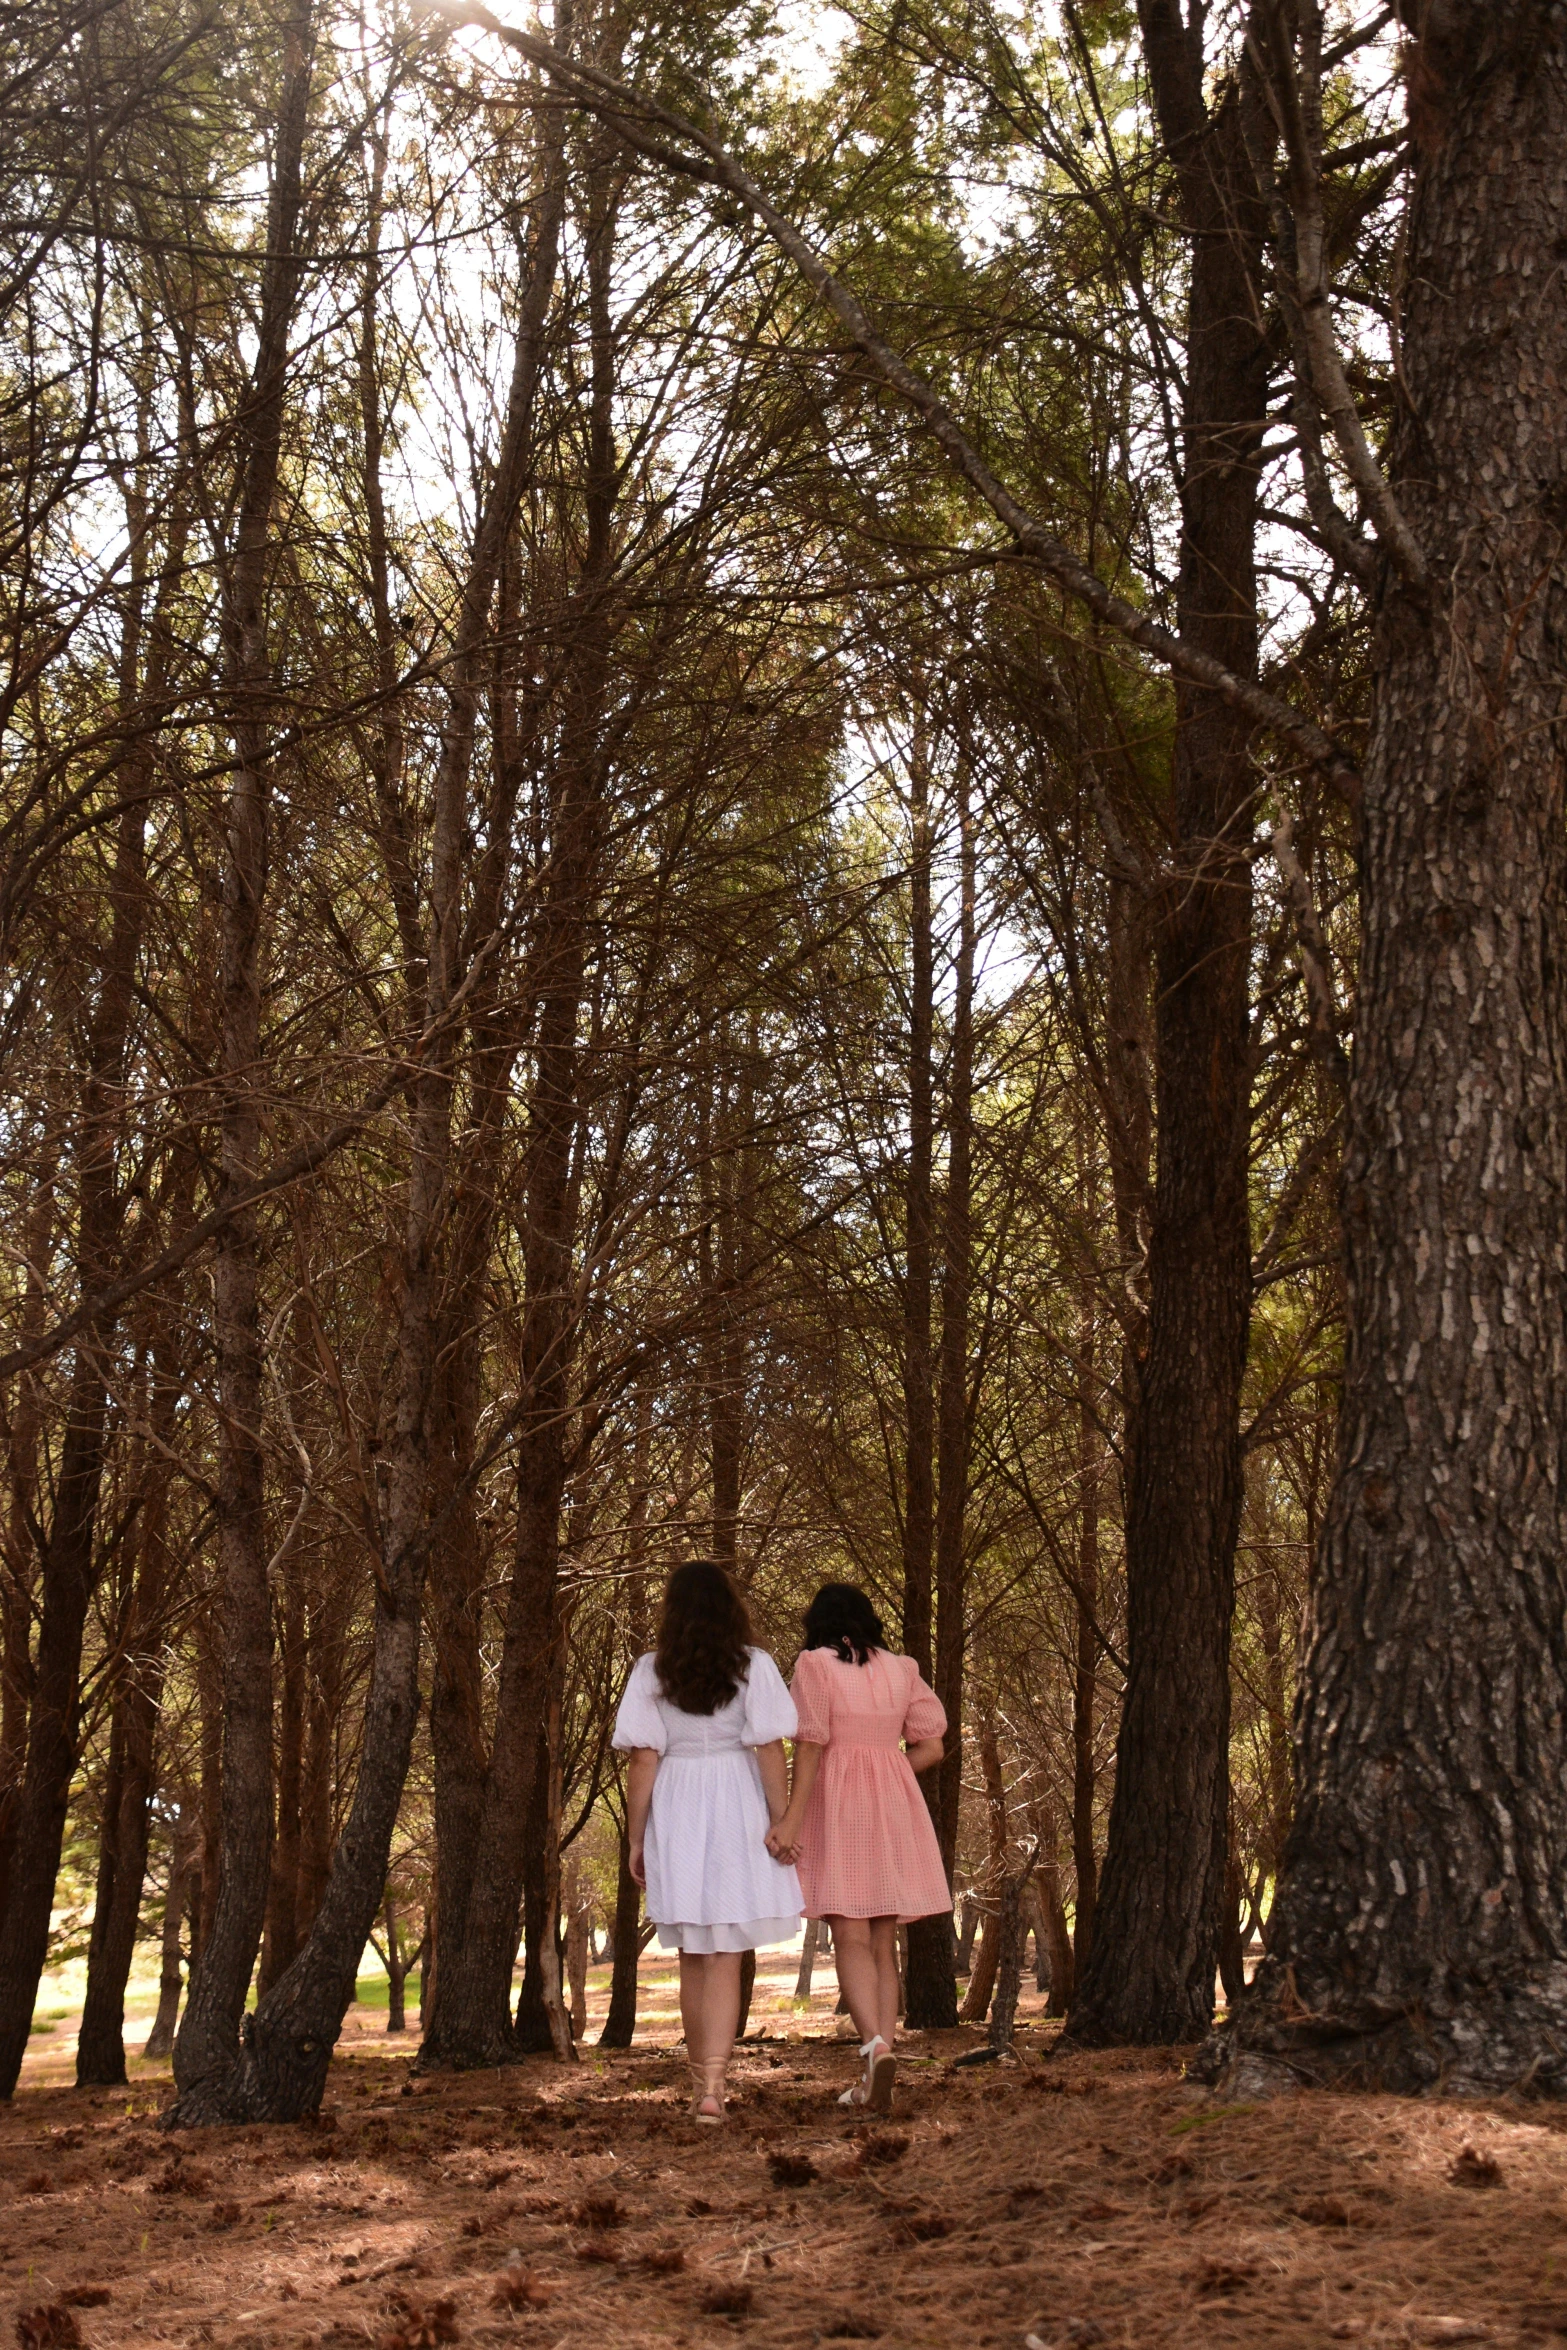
[{"x": 867, "y": 1847}]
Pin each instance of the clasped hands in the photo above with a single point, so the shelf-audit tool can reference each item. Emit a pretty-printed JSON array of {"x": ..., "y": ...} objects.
[{"x": 783, "y": 1840}]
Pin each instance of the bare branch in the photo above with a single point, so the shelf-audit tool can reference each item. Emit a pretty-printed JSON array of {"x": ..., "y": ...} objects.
[{"x": 1295, "y": 101}]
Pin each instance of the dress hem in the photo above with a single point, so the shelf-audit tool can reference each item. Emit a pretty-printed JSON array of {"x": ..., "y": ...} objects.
[{"x": 752, "y": 1934}]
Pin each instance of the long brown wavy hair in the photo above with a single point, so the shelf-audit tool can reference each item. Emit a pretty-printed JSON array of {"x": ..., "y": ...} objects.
[{"x": 703, "y": 1636}]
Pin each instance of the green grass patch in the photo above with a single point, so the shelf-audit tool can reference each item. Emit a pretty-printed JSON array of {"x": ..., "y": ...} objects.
[
  {"x": 1205, "y": 2121},
  {"x": 375, "y": 1991}
]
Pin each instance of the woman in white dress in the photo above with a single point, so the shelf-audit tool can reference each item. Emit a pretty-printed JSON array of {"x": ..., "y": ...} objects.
[{"x": 704, "y": 1718}]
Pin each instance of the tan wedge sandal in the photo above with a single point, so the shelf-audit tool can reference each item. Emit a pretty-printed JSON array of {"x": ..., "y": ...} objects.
[{"x": 707, "y": 2088}]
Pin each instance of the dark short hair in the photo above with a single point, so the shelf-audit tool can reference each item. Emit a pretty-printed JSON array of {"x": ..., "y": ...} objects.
[
  {"x": 841, "y": 1618},
  {"x": 704, "y": 1638}
]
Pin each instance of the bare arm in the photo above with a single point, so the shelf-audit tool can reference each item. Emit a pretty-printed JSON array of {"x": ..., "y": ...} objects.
[
  {"x": 639, "y": 1794},
  {"x": 775, "y": 1777},
  {"x": 784, "y": 1835},
  {"x": 924, "y": 1752}
]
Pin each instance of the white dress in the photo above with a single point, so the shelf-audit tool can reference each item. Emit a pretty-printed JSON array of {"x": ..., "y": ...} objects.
[{"x": 712, "y": 1884}]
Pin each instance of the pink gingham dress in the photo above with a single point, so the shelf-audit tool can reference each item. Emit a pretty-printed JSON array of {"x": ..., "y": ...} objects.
[{"x": 867, "y": 1847}]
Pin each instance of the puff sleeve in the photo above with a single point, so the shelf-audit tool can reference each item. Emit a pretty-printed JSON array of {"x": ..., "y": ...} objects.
[
  {"x": 769, "y": 1709},
  {"x": 924, "y": 1715},
  {"x": 812, "y": 1697},
  {"x": 639, "y": 1721}
]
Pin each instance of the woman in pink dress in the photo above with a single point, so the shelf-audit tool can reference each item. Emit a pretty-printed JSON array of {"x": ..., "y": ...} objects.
[{"x": 857, "y": 1826}]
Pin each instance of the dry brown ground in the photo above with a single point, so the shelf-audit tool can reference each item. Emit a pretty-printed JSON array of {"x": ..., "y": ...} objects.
[{"x": 1078, "y": 2200}]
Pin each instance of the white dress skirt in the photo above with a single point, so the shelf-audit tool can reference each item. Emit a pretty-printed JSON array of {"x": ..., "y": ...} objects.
[{"x": 712, "y": 1884}]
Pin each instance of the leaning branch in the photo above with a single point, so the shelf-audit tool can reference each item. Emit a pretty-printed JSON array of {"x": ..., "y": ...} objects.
[
  {"x": 631, "y": 114},
  {"x": 1296, "y": 105}
]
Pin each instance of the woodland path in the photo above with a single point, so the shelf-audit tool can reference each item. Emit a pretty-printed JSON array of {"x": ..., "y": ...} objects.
[{"x": 1088, "y": 2200}]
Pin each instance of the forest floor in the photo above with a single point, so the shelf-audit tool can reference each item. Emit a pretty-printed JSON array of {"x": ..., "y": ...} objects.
[{"x": 1075, "y": 2200}]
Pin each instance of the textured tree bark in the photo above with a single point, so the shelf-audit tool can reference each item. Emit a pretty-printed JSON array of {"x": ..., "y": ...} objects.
[
  {"x": 1151, "y": 1966},
  {"x": 209, "y": 2031},
  {"x": 1419, "y": 1940}
]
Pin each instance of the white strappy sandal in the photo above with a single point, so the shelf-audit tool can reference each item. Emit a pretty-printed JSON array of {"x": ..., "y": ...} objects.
[{"x": 874, "y": 2089}]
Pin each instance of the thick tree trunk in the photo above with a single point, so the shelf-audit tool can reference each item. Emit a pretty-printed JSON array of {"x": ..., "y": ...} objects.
[
  {"x": 1150, "y": 1969},
  {"x": 1420, "y": 1936},
  {"x": 808, "y": 1942}
]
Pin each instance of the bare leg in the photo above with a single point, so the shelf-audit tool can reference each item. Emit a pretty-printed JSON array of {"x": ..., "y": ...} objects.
[
  {"x": 866, "y": 1952},
  {"x": 710, "y": 2012}
]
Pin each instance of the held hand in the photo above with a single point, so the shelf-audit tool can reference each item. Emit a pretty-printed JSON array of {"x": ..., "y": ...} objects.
[
  {"x": 637, "y": 1865},
  {"x": 782, "y": 1840}
]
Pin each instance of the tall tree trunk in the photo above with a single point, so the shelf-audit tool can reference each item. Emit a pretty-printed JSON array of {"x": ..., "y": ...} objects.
[
  {"x": 802, "y": 1981},
  {"x": 1062, "y": 1967},
  {"x": 955, "y": 1402},
  {"x": 930, "y": 1987},
  {"x": 280, "y": 1939},
  {"x": 473, "y": 2023},
  {"x": 34, "y": 1825},
  {"x": 1150, "y": 1969},
  {"x": 123, "y": 1838},
  {"x": 287, "y": 2044},
  {"x": 982, "y": 1975},
  {"x": 325, "y": 1666},
  {"x": 19, "y": 1576},
  {"x": 1085, "y": 1665},
  {"x": 621, "y": 2022},
  {"x": 209, "y": 2032},
  {"x": 1420, "y": 1936},
  {"x": 184, "y": 1853}
]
